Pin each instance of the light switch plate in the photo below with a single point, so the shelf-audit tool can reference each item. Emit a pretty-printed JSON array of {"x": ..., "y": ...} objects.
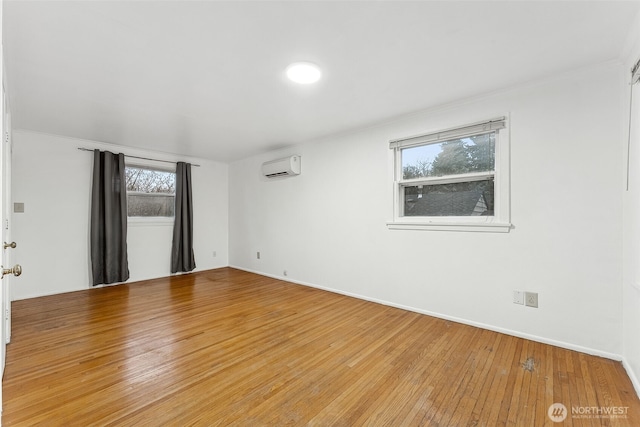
[{"x": 518, "y": 297}]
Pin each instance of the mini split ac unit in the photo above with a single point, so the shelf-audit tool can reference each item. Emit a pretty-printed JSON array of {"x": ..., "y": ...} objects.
[{"x": 282, "y": 167}]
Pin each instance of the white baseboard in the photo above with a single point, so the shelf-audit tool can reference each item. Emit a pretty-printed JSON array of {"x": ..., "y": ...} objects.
[{"x": 562, "y": 344}]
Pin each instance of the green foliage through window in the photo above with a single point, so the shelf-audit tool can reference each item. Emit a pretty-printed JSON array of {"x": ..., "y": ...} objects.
[{"x": 457, "y": 156}]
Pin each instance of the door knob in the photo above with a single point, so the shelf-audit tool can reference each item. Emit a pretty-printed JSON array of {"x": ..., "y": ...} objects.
[
  {"x": 9, "y": 245},
  {"x": 16, "y": 270}
]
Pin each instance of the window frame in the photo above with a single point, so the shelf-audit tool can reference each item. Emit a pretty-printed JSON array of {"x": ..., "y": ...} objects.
[
  {"x": 150, "y": 220},
  {"x": 498, "y": 222}
]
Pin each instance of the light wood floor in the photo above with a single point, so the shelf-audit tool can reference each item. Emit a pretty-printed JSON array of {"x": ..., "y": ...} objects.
[{"x": 226, "y": 347}]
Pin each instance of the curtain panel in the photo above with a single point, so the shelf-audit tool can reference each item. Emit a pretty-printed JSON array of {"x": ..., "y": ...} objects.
[
  {"x": 182, "y": 257},
  {"x": 109, "y": 263}
]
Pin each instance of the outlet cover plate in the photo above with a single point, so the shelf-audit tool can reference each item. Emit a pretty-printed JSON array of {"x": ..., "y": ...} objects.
[{"x": 531, "y": 299}]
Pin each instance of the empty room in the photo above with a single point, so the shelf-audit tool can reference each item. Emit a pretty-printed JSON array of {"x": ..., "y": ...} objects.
[{"x": 349, "y": 213}]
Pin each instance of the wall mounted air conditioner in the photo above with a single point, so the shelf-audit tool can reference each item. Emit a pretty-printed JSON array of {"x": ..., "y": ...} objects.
[{"x": 282, "y": 167}]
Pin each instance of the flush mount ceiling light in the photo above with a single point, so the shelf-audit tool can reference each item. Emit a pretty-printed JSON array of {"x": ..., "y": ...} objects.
[{"x": 303, "y": 73}]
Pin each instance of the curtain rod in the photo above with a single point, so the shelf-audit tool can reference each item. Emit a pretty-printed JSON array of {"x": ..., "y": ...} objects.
[{"x": 141, "y": 158}]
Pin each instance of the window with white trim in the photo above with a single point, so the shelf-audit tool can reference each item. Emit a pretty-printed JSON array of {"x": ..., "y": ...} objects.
[
  {"x": 151, "y": 192},
  {"x": 453, "y": 179}
]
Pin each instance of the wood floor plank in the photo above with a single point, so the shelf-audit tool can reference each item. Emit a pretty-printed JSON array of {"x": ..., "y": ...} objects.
[{"x": 228, "y": 347}]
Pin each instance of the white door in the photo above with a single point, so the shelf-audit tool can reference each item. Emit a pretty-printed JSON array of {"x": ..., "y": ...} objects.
[
  {"x": 4, "y": 300},
  {"x": 8, "y": 244},
  {"x": 4, "y": 225},
  {"x": 3, "y": 343},
  {"x": 3, "y": 283}
]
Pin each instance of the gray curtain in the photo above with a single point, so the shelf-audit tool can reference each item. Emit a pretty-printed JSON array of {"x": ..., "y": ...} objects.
[
  {"x": 109, "y": 262},
  {"x": 182, "y": 258}
]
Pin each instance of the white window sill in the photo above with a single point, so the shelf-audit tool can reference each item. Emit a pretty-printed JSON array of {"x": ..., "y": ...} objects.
[
  {"x": 139, "y": 221},
  {"x": 486, "y": 227}
]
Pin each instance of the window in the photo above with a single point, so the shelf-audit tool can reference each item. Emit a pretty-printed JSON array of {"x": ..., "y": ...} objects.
[
  {"x": 455, "y": 179},
  {"x": 150, "y": 192}
]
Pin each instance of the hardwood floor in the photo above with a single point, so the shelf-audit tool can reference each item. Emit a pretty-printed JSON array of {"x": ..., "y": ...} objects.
[{"x": 226, "y": 347}]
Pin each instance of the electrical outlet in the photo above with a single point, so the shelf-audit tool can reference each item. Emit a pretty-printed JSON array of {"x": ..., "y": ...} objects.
[
  {"x": 215, "y": 254},
  {"x": 284, "y": 272},
  {"x": 531, "y": 299},
  {"x": 257, "y": 255},
  {"x": 518, "y": 297}
]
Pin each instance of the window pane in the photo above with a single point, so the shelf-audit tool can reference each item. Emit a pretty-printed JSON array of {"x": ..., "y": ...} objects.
[
  {"x": 150, "y": 181},
  {"x": 150, "y": 192},
  {"x": 464, "y": 155},
  {"x": 459, "y": 199},
  {"x": 150, "y": 204}
]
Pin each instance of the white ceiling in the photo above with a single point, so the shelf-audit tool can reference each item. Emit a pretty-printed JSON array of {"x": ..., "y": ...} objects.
[{"x": 206, "y": 78}]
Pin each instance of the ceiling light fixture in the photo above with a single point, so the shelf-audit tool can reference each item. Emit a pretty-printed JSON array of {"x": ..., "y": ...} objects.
[{"x": 303, "y": 73}]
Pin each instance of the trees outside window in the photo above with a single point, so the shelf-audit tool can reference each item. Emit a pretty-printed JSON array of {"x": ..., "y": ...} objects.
[
  {"x": 450, "y": 178},
  {"x": 150, "y": 192}
]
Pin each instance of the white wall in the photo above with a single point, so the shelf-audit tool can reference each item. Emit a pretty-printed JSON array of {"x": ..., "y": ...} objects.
[
  {"x": 327, "y": 227},
  {"x": 53, "y": 179},
  {"x": 631, "y": 241}
]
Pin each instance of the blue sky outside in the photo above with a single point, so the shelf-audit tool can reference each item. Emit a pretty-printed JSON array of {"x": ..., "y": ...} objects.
[{"x": 411, "y": 156}]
